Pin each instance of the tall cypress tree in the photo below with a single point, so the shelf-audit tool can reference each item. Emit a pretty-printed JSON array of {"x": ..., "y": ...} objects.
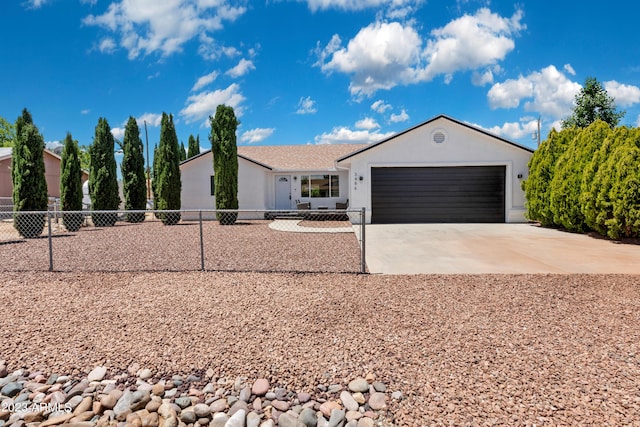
[
  {"x": 168, "y": 184},
  {"x": 28, "y": 177},
  {"x": 194, "y": 146},
  {"x": 133, "y": 180},
  {"x": 71, "y": 184},
  {"x": 183, "y": 152},
  {"x": 103, "y": 181},
  {"x": 225, "y": 161}
]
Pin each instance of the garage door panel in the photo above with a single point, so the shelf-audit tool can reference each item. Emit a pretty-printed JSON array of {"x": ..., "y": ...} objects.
[{"x": 438, "y": 194}]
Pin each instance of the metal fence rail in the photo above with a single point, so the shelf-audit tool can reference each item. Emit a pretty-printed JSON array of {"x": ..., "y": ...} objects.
[{"x": 238, "y": 240}]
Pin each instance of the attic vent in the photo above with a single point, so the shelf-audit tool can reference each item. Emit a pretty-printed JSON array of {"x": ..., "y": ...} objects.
[{"x": 438, "y": 137}]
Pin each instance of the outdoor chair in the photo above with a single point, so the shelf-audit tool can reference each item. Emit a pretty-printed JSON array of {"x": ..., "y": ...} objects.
[
  {"x": 303, "y": 205},
  {"x": 344, "y": 205}
]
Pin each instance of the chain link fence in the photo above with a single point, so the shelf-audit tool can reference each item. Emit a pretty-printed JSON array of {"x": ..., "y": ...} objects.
[{"x": 185, "y": 240}]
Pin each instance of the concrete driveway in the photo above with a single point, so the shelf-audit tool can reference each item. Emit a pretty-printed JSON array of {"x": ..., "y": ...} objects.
[{"x": 492, "y": 248}]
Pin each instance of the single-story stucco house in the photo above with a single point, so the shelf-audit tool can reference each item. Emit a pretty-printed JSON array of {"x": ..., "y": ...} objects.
[
  {"x": 442, "y": 170},
  {"x": 52, "y": 165}
]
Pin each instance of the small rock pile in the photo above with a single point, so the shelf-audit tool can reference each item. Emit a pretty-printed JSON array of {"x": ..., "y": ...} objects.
[{"x": 137, "y": 399}]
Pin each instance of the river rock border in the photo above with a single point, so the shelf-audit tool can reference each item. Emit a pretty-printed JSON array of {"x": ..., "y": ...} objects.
[{"x": 138, "y": 398}]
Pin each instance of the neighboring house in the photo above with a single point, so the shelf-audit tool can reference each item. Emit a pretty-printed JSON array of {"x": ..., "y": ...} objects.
[
  {"x": 442, "y": 170},
  {"x": 52, "y": 164}
]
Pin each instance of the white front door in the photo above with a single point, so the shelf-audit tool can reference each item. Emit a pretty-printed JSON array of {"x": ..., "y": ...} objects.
[{"x": 283, "y": 191}]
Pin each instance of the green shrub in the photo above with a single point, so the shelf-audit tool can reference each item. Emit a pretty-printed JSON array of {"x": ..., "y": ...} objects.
[
  {"x": 194, "y": 146},
  {"x": 71, "y": 185},
  {"x": 568, "y": 176},
  {"x": 596, "y": 181},
  {"x": 134, "y": 185},
  {"x": 28, "y": 177},
  {"x": 225, "y": 162},
  {"x": 625, "y": 194},
  {"x": 541, "y": 171},
  {"x": 606, "y": 193},
  {"x": 167, "y": 185},
  {"x": 103, "y": 181}
]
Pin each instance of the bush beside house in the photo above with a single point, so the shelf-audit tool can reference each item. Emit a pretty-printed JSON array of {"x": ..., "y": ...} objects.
[
  {"x": 225, "y": 162},
  {"x": 71, "y": 185},
  {"x": 587, "y": 179},
  {"x": 103, "y": 181},
  {"x": 167, "y": 183},
  {"x": 134, "y": 184},
  {"x": 28, "y": 177}
]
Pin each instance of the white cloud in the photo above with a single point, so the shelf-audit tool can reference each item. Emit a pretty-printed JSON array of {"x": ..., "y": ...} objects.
[
  {"x": 306, "y": 106},
  {"x": 399, "y": 118},
  {"x": 384, "y": 55},
  {"x": 380, "y": 106},
  {"x": 35, "y": 4},
  {"x": 525, "y": 128},
  {"x": 548, "y": 92},
  {"x": 107, "y": 45},
  {"x": 85, "y": 111},
  {"x": 149, "y": 26},
  {"x": 471, "y": 42},
  {"x": 380, "y": 56},
  {"x": 256, "y": 135},
  {"x": 395, "y": 8},
  {"x": 210, "y": 49},
  {"x": 624, "y": 95},
  {"x": 344, "y": 135},
  {"x": 200, "y": 106},
  {"x": 118, "y": 133},
  {"x": 367, "y": 123},
  {"x": 243, "y": 67},
  {"x": 153, "y": 76},
  {"x": 204, "y": 81},
  {"x": 152, "y": 119},
  {"x": 481, "y": 79},
  {"x": 569, "y": 69},
  {"x": 89, "y": 2}
]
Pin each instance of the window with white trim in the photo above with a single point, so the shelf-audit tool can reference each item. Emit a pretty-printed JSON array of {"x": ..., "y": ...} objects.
[{"x": 320, "y": 186}]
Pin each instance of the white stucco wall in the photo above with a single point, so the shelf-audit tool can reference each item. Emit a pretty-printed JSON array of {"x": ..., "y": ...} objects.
[
  {"x": 196, "y": 186},
  {"x": 256, "y": 187},
  {"x": 462, "y": 147}
]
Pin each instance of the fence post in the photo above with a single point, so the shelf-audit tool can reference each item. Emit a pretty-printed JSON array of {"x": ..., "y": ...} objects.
[
  {"x": 363, "y": 242},
  {"x": 201, "y": 243},
  {"x": 50, "y": 241}
]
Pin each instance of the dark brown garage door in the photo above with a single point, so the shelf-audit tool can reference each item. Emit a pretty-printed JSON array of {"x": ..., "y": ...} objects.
[{"x": 437, "y": 194}]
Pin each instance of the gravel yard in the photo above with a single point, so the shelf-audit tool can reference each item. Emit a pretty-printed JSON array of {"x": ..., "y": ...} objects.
[
  {"x": 463, "y": 350},
  {"x": 152, "y": 246}
]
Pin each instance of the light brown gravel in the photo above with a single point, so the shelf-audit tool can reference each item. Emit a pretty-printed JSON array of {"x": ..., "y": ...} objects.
[
  {"x": 464, "y": 350},
  {"x": 152, "y": 246}
]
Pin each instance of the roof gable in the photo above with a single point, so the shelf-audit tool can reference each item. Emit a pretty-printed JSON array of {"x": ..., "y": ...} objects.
[{"x": 439, "y": 117}]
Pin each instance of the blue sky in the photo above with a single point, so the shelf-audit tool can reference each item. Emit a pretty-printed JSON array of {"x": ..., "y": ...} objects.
[{"x": 312, "y": 71}]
